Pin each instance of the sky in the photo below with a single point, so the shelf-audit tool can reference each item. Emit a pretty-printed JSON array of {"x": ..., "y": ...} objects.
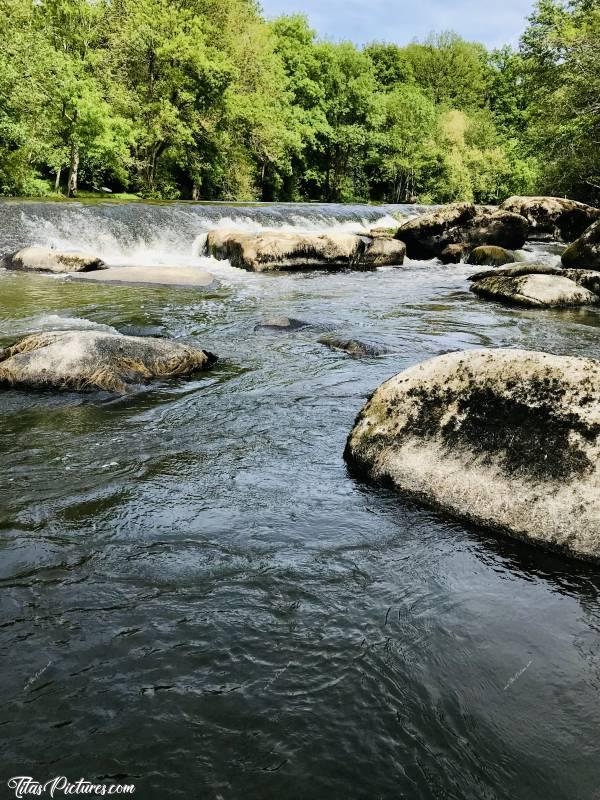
[{"x": 493, "y": 22}]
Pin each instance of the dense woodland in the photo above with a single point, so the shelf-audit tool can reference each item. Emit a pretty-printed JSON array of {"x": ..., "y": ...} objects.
[{"x": 205, "y": 99}]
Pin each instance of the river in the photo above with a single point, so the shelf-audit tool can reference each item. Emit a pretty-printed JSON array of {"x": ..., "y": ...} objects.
[{"x": 197, "y": 598}]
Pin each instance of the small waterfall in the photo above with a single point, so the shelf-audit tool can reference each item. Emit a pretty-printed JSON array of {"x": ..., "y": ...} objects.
[{"x": 168, "y": 234}]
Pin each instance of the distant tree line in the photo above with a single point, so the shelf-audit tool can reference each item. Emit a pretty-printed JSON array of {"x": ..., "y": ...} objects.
[{"x": 205, "y": 99}]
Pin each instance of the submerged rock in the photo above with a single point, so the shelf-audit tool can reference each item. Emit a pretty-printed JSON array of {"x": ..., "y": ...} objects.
[
  {"x": 553, "y": 217},
  {"x": 534, "y": 290},
  {"x": 508, "y": 439},
  {"x": 354, "y": 347},
  {"x": 282, "y": 324},
  {"x": 151, "y": 276},
  {"x": 490, "y": 256},
  {"x": 90, "y": 360},
  {"x": 274, "y": 250},
  {"x": 44, "y": 259},
  {"x": 429, "y": 235},
  {"x": 585, "y": 252}
]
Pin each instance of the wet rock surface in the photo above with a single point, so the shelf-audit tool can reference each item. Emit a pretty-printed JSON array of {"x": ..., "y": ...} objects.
[
  {"x": 508, "y": 439},
  {"x": 358, "y": 348},
  {"x": 83, "y": 361}
]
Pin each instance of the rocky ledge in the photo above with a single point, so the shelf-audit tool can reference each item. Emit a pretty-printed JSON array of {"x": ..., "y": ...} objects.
[
  {"x": 84, "y": 361},
  {"x": 508, "y": 439}
]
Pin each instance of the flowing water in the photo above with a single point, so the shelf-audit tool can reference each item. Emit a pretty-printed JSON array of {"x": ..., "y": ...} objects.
[{"x": 197, "y": 598}]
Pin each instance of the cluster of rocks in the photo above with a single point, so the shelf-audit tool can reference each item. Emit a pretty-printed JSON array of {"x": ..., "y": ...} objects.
[{"x": 480, "y": 235}]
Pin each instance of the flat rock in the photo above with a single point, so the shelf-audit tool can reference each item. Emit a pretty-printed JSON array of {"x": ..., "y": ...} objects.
[
  {"x": 534, "y": 291},
  {"x": 275, "y": 250},
  {"x": 152, "y": 276},
  {"x": 507, "y": 439},
  {"x": 83, "y": 360},
  {"x": 45, "y": 259},
  {"x": 429, "y": 235},
  {"x": 518, "y": 268},
  {"x": 553, "y": 217},
  {"x": 282, "y": 324},
  {"x": 585, "y": 251}
]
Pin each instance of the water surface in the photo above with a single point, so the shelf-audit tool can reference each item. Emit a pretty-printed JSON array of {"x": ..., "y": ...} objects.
[{"x": 197, "y": 597}]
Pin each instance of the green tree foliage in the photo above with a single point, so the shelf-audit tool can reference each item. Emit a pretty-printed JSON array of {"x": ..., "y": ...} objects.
[
  {"x": 204, "y": 99},
  {"x": 561, "y": 55}
]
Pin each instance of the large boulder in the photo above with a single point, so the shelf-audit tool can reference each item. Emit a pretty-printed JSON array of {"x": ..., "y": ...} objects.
[
  {"x": 553, "y": 217},
  {"x": 507, "y": 439},
  {"x": 490, "y": 256},
  {"x": 274, "y": 250},
  {"x": 588, "y": 278},
  {"x": 429, "y": 235},
  {"x": 534, "y": 290},
  {"x": 45, "y": 259},
  {"x": 585, "y": 252},
  {"x": 81, "y": 360}
]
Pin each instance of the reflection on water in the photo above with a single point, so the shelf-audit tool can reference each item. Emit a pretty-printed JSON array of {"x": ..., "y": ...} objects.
[{"x": 219, "y": 610}]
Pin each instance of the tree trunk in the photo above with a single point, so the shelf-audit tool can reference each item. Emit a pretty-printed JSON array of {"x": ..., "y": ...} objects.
[
  {"x": 73, "y": 168},
  {"x": 196, "y": 191},
  {"x": 57, "y": 181}
]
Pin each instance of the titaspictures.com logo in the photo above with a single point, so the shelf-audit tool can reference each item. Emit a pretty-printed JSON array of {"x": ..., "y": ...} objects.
[{"x": 25, "y": 786}]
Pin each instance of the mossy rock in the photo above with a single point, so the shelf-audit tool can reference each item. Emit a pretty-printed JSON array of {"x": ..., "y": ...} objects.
[{"x": 490, "y": 256}]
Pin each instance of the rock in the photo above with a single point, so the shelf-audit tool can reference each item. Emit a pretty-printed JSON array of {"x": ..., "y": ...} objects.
[
  {"x": 274, "y": 250},
  {"x": 44, "y": 259},
  {"x": 282, "y": 324},
  {"x": 384, "y": 251},
  {"x": 534, "y": 291},
  {"x": 520, "y": 268},
  {"x": 553, "y": 217},
  {"x": 454, "y": 253},
  {"x": 507, "y": 439},
  {"x": 354, "y": 347},
  {"x": 585, "y": 252},
  {"x": 151, "y": 276},
  {"x": 80, "y": 360},
  {"x": 588, "y": 278},
  {"x": 429, "y": 235},
  {"x": 490, "y": 256}
]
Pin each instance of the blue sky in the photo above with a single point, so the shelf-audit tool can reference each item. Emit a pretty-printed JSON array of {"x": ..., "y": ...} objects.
[{"x": 493, "y": 22}]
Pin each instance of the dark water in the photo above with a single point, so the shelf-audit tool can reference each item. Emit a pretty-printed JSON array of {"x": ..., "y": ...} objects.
[{"x": 198, "y": 599}]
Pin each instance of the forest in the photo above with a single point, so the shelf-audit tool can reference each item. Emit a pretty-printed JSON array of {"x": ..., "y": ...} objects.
[{"x": 208, "y": 100}]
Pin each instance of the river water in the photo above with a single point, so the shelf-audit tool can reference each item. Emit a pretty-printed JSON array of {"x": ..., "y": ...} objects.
[{"x": 197, "y": 598}]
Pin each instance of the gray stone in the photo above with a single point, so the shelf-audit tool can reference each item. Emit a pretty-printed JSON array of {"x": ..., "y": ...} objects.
[{"x": 507, "y": 439}]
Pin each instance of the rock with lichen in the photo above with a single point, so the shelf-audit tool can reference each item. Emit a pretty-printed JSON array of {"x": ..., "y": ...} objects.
[
  {"x": 584, "y": 252},
  {"x": 534, "y": 290},
  {"x": 81, "y": 360},
  {"x": 490, "y": 256},
  {"x": 507, "y": 439}
]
